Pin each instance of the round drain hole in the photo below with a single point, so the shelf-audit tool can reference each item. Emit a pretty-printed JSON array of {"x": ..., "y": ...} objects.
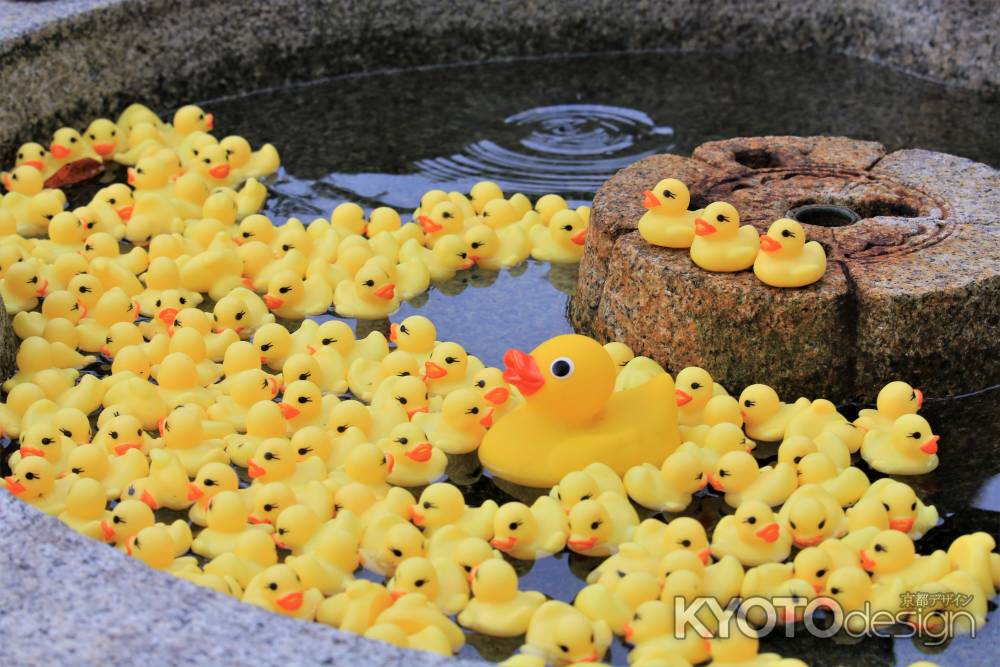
[{"x": 824, "y": 215}]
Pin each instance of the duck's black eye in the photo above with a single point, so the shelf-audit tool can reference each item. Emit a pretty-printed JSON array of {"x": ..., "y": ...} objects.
[
  {"x": 915, "y": 435},
  {"x": 822, "y": 523},
  {"x": 752, "y": 520},
  {"x": 427, "y": 504},
  {"x": 914, "y": 505},
  {"x": 450, "y": 360},
  {"x": 446, "y": 215},
  {"x": 403, "y": 441},
  {"x": 268, "y": 507},
  {"x": 304, "y": 450},
  {"x": 835, "y": 590},
  {"x": 879, "y": 548},
  {"x": 341, "y": 428},
  {"x": 117, "y": 520},
  {"x": 76, "y": 471},
  {"x": 183, "y": 300},
  {"x": 481, "y": 384},
  {"x": 328, "y": 341},
  {"x": 304, "y": 399},
  {"x": 284, "y": 290},
  {"x": 796, "y": 460},
  {"x": 467, "y": 568},
  {"x": 287, "y": 246},
  {"x": 564, "y": 648},
  {"x": 114, "y": 435},
  {"x": 748, "y": 403},
  {"x": 562, "y": 368},
  {"x": 397, "y": 553},
  {"x": 47, "y": 441},
  {"x": 568, "y": 228},
  {"x": 369, "y": 283},
  {"x": 266, "y": 346},
  {"x": 685, "y": 543},
  {"x": 472, "y": 411},
  {"x": 787, "y": 233},
  {"x": 594, "y": 525},
  {"x": 269, "y": 456},
  {"x": 30, "y": 475},
  {"x": 419, "y": 582},
  {"x": 721, "y": 218},
  {"x": 696, "y": 385},
  {"x": 792, "y": 524},
  {"x": 240, "y": 315},
  {"x": 305, "y": 376},
  {"x": 821, "y": 573},
  {"x": 273, "y": 586},
  {"x": 402, "y": 400},
  {"x": 669, "y": 195}
]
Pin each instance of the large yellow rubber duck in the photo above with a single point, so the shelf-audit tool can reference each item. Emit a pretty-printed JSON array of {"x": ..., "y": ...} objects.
[
  {"x": 530, "y": 533},
  {"x": 667, "y": 221},
  {"x": 497, "y": 607},
  {"x": 752, "y": 535},
  {"x": 786, "y": 259},
  {"x": 908, "y": 448},
  {"x": 721, "y": 244},
  {"x": 894, "y": 400},
  {"x": 572, "y": 417}
]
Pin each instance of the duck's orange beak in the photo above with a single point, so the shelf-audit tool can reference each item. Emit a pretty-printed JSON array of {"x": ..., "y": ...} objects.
[
  {"x": 387, "y": 291},
  {"x": 769, "y": 533},
  {"x": 253, "y": 470},
  {"x": 818, "y": 588},
  {"x": 683, "y": 398},
  {"x": 167, "y": 316},
  {"x": 522, "y": 372},
  {"x": 247, "y": 282},
  {"x": 390, "y": 463},
  {"x": 14, "y": 486},
  {"x": 582, "y": 545},
  {"x": 393, "y": 332},
  {"x": 768, "y": 244},
  {"x": 432, "y": 371},
  {"x": 277, "y": 541},
  {"x": 256, "y": 520},
  {"x": 504, "y": 543},
  {"x": 27, "y": 450},
  {"x": 107, "y": 531},
  {"x": 273, "y": 302},
  {"x": 716, "y": 483},
  {"x": 420, "y": 453},
  {"x": 148, "y": 498},
  {"x": 428, "y": 225},
  {"x": 705, "y": 555},
  {"x": 209, "y": 121},
  {"x": 902, "y": 525},
  {"x": 128, "y": 545},
  {"x": 219, "y": 171},
  {"x": 131, "y": 176},
  {"x": 194, "y": 491},
  {"x": 497, "y": 395},
  {"x": 289, "y": 411},
  {"x": 273, "y": 381},
  {"x": 291, "y": 601},
  {"x": 931, "y": 446},
  {"x": 395, "y": 595},
  {"x": 42, "y": 288},
  {"x": 920, "y": 398},
  {"x": 59, "y": 151},
  {"x": 6, "y": 182},
  {"x": 702, "y": 228},
  {"x": 580, "y": 237},
  {"x": 161, "y": 426},
  {"x": 125, "y": 212},
  {"x": 649, "y": 199},
  {"x": 125, "y": 446},
  {"x": 415, "y": 516},
  {"x": 37, "y": 164},
  {"x": 589, "y": 658},
  {"x": 104, "y": 149},
  {"x": 487, "y": 421},
  {"x": 629, "y": 631},
  {"x": 410, "y": 414},
  {"x": 807, "y": 541},
  {"x": 866, "y": 561}
]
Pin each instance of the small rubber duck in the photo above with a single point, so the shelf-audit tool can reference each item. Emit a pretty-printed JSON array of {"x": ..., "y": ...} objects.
[
  {"x": 211, "y": 480},
  {"x": 852, "y": 590},
  {"x": 753, "y": 535},
  {"x": 355, "y": 609},
  {"x": 416, "y": 334},
  {"x": 417, "y": 462},
  {"x": 254, "y": 552},
  {"x": 497, "y": 607},
  {"x": 893, "y": 401},
  {"x": 377, "y": 288},
  {"x": 974, "y": 554},
  {"x": 695, "y": 388},
  {"x": 794, "y": 448},
  {"x": 388, "y": 541},
  {"x": 585, "y": 484},
  {"x": 738, "y": 476},
  {"x": 562, "y": 635},
  {"x": 652, "y": 632},
  {"x": 765, "y": 416},
  {"x": 445, "y": 218},
  {"x": 442, "y": 581},
  {"x": 164, "y": 486},
  {"x": 847, "y": 485},
  {"x": 721, "y": 439},
  {"x": 598, "y": 526},
  {"x": 324, "y": 368},
  {"x": 614, "y": 599},
  {"x": 242, "y": 311},
  {"x": 450, "y": 367},
  {"x": 449, "y": 255},
  {"x": 34, "y": 480},
  {"x": 667, "y": 221},
  {"x": 530, "y": 533},
  {"x": 367, "y": 465},
  {"x": 130, "y": 516},
  {"x": 442, "y": 504},
  {"x": 786, "y": 259},
  {"x": 891, "y": 555},
  {"x": 85, "y": 508},
  {"x": 303, "y": 404},
  {"x": 122, "y": 433},
  {"x": 496, "y": 249},
  {"x": 365, "y": 376},
  {"x": 892, "y": 504},
  {"x": 112, "y": 471},
  {"x": 243, "y": 391},
  {"x": 669, "y": 488},
  {"x": 908, "y": 448},
  {"x": 46, "y": 441},
  {"x": 182, "y": 434},
  {"x": 721, "y": 581},
  {"x": 418, "y": 617},
  {"x": 22, "y": 286},
  {"x": 811, "y": 515},
  {"x": 274, "y": 461},
  {"x": 290, "y": 297},
  {"x": 462, "y": 423},
  {"x": 721, "y": 244},
  {"x": 264, "y": 420},
  {"x": 813, "y": 565},
  {"x": 278, "y": 590},
  {"x": 561, "y": 239},
  {"x": 226, "y": 520},
  {"x": 660, "y": 539},
  {"x": 572, "y": 416}
]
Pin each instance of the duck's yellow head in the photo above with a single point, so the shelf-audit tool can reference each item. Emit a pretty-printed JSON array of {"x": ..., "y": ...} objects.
[
  {"x": 850, "y": 587},
  {"x": 694, "y": 388},
  {"x": 213, "y": 164},
  {"x": 227, "y": 512},
  {"x": 677, "y": 560},
  {"x": 127, "y": 518},
  {"x": 350, "y": 414},
  {"x": 899, "y": 398},
  {"x": 685, "y": 471},
  {"x": 237, "y": 149},
  {"x": 88, "y": 461},
  {"x": 181, "y": 428},
  {"x": 32, "y": 155},
  {"x": 568, "y": 229},
  {"x": 758, "y": 403},
  {"x": 153, "y": 546},
  {"x": 119, "y": 197},
  {"x": 416, "y": 333},
  {"x": 86, "y": 498},
  {"x": 43, "y": 440},
  {"x": 453, "y": 252},
  {"x": 726, "y": 437},
  {"x": 270, "y": 501},
  {"x": 415, "y": 575},
  {"x": 813, "y": 565},
  {"x": 102, "y": 135},
  {"x": 240, "y": 356},
  {"x": 402, "y": 541},
  {"x": 816, "y": 468},
  {"x": 575, "y": 487},
  {"x": 620, "y": 354},
  {"x": 66, "y": 229},
  {"x": 191, "y": 118},
  {"x": 688, "y": 534},
  {"x": 589, "y": 525},
  {"x": 67, "y": 144},
  {"x": 374, "y": 281},
  {"x": 398, "y": 364},
  {"x": 348, "y": 217},
  {"x": 734, "y": 472},
  {"x": 274, "y": 460},
  {"x": 445, "y": 217},
  {"x": 230, "y": 312},
  {"x": 438, "y": 505},
  {"x": 483, "y": 193},
  {"x": 295, "y": 526},
  {"x": 794, "y": 448},
  {"x": 24, "y": 280},
  {"x": 284, "y": 289},
  {"x": 149, "y": 173},
  {"x": 336, "y": 335},
  {"x": 448, "y": 362},
  {"x": 808, "y": 521},
  {"x": 33, "y": 477},
  {"x": 471, "y": 552},
  {"x": 573, "y": 639},
  {"x": 499, "y": 213},
  {"x": 25, "y": 180},
  {"x": 785, "y": 238},
  {"x": 301, "y": 398},
  {"x": 890, "y": 551},
  {"x": 367, "y": 463},
  {"x": 383, "y": 219},
  {"x": 755, "y": 523},
  {"x": 273, "y": 342},
  {"x": 211, "y": 480},
  {"x": 513, "y": 524},
  {"x": 568, "y": 378},
  {"x": 483, "y": 242},
  {"x": 651, "y": 619},
  {"x": 279, "y": 589},
  {"x": 548, "y": 205},
  {"x": 467, "y": 411},
  {"x": 670, "y": 196},
  {"x": 255, "y": 227},
  {"x": 494, "y": 580},
  {"x": 682, "y": 584},
  {"x": 222, "y": 207},
  {"x": 409, "y": 440},
  {"x": 718, "y": 222},
  {"x": 912, "y": 435},
  {"x": 120, "y": 434},
  {"x": 900, "y": 503},
  {"x": 490, "y": 383}
]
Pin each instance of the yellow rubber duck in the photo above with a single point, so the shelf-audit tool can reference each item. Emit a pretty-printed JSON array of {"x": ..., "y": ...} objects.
[
  {"x": 853, "y": 591},
  {"x": 34, "y": 480},
  {"x": 497, "y": 607},
  {"x": 370, "y": 295},
  {"x": 25, "y": 180},
  {"x": 275, "y": 461},
  {"x": 130, "y": 516},
  {"x": 561, "y": 239},
  {"x": 495, "y": 249},
  {"x": 651, "y": 631},
  {"x": 303, "y": 404},
  {"x": 753, "y": 535},
  {"x": 766, "y": 417},
  {"x": 811, "y": 515},
  {"x": 847, "y": 485},
  {"x": 417, "y": 462},
  {"x": 365, "y": 376},
  {"x": 226, "y": 521},
  {"x": 737, "y": 648},
  {"x": 122, "y": 433},
  {"x": 614, "y": 599},
  {"x": 442, "y": 581},
  {"x": 794, "y": 448},
  {"x": 449, "y": 255},
  {"x": 562, "y": 634},
  {"x": 721, "y": 439},
  {"x": 324, "y": 368},
  {"x": 368, "y": 465},
  {"x": 417, "y": 616},
  {"x": 85, "y": 508},
  {"x": 416, "y": 334},
  {"x": 667, "y": 221},
  {"x": 894, "y": 400},
  {"x": 586, "y": 484},
  {"x": 721, "y": 244},
  {"x": 165, "y": 486},
  {"x": 248, "y": 162},
  {"x": 355, "y": 609},
  {"x": 892, "y": 504},
  {"x": 660, "y": 539},
  {"x": 46, "y": 441},
  {"x": 669, "y": 488},
  {"x": 891, "y": 555},
  {"x": 254, "y": 552},
  {"x": 329, "y": 563},
  {"x": 242, "y": 311},
  {"x": 548, "y": 205},
  {"x": 388, "y": 541},
  {"x": 444, "y": 219},
  {"x": 22, "y": 286},
  {"x": 813, "y": 565},
  {"x": 211, "y": 480},
  {"x": 598, "y": 526},
  {"x": 721, "y": 581},
  {"x": 243, "y": 390},
  {"x": 738, "y": 476},
  {"x": 908, "y": 448},
  {"x": 695, "y": 388},
  {"x": 572, "y": 417},
  {"x": 278, "y": 590},
  {"x": 442, "y": 504},
  {"x": 450, "y": 367},
  {"x": 530, "y": 533},
  {"x": 290, "y": 297},
  {"x": 786, "y": 259},
  {"x": 182, "y": 434},
  {"x": 974, "y": 554},
  {"x": 462, "y": 423},
  {"x": 113, "y": 472}
]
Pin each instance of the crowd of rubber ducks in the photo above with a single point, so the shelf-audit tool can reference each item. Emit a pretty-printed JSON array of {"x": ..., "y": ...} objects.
[
  {"x": 780, "y": 258},
  {"x": 304, "y": 456}
]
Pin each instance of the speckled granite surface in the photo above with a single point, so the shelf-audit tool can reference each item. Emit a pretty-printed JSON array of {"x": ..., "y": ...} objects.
[
  {"x": 66, "y": 600},
  {"x": 912, "y": 290}
]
